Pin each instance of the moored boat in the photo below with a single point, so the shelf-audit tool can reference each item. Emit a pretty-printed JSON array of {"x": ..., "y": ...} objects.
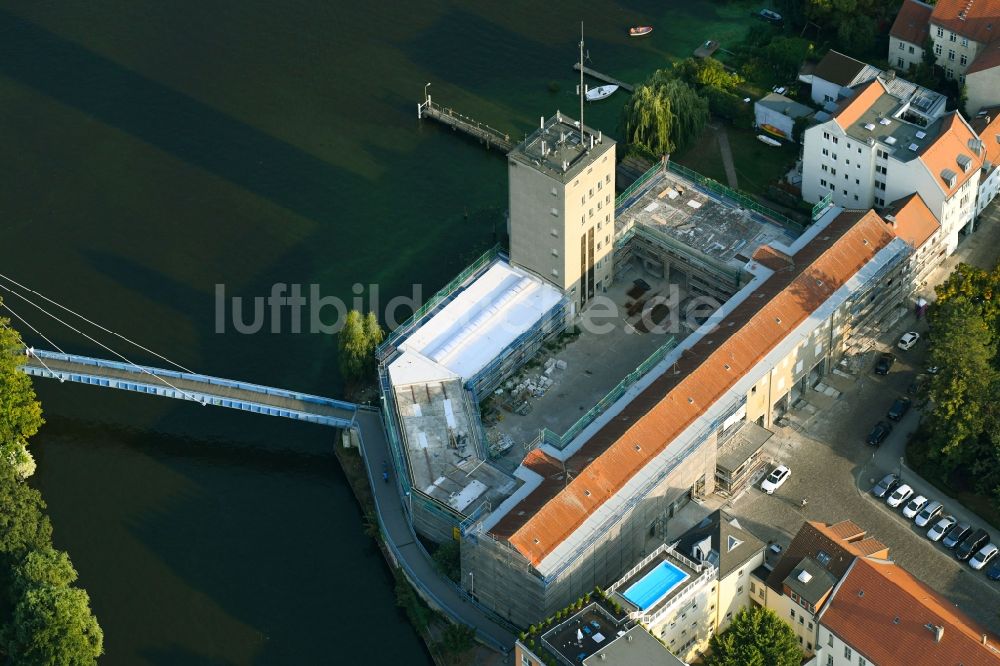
[
  {"x": 640, "y": 30},
  {"x": 600, "y": 92}
]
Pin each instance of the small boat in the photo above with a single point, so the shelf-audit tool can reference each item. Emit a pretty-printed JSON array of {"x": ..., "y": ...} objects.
[
  {"x": 763, "y": 138},
  {"x": 770, "y": 17},
  {"x": 600, "y": 92},
  {"x": 640, "y": 30},
  {"x": 771, "y": 129}
]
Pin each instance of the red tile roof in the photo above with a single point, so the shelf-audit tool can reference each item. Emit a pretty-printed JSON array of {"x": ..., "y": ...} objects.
[
  {"x": 951, "y": 141},
  {"x": 841, "y": 541},
  {"x": 979, "y": 20},
  {"x": 990, "y": 135},
  {"x": 659, "y": 414},
  {"x": 911, "y": 22},
  {"x": 914, "y": 221},
  {"x": 854, "y": 107},
  {"x": 888, "y": 616},
  {"x": 988, "y": 58}
]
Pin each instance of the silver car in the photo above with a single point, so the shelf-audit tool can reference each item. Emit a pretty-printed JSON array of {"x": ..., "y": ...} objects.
[
  {"x": 930, "y": 511},
  {"x": 940, "y": 527},
  {"x": 899, "y": 496}
]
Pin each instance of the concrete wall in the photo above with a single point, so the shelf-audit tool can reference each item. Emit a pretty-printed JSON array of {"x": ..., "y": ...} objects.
[
  {"x": 550, "y": 220},
  {"x": 824, "y": 91},
  {"x": 831, "y": 158},
  {"x": 734, "y": 592},
  {"x": 900, "y": 50},
  {"x": 983, "y": 88},
  {"x": 802, "y": 622},
  {"x": 689, "y": 628}
]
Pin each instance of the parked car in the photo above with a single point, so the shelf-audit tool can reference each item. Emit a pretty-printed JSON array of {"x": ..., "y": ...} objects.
[
  {"x": 885, "y": 486},
  {"x": 899, "y": 495},
  {"x": 914, "y": 506},
  {"x": 774, "y": 480},
  {"x": 930, "y": 511},
  {"x": 899, "y": 409},
  {"x": 879, "y": 433},
  {"x": 993, "y": 573},
  {"x": 956, "y": 534},
  {"x": 933, "y": 370},
  {"x": 884, "y": 363},
  {"x": 941, "y": 527},
  {"x": 908, "y": 340},
  {"x": 971, "y": 543},
  {"x": 983, "y": 557}
]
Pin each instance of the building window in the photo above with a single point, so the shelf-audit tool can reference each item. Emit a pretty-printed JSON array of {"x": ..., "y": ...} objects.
[
  {"x": 951, "y": 54},
  {"x": 940, "y": 32},
  {"x": 607, "y": 179},
  {"x": 899, "y": 62},
  {"x": 802, "y": 619},
  {"x": 826, "y": 135},
  {"x": 862, "y": 661},
  {"x": 809, "y": 646},
  {"x": 857, "y": 181},
  {"x": 555, "y": 212},
  {"x": 847, "y": 652},
  {"x": 911, "y": 49},
  {"x": 822, "y": 182},
  {"x": 856, "y": 197},
  {"x": 848, "y": 162},
  {"x": 961, "y": 78},
  {"x": 810, "y": 626},
  {"x": 833, "y": 172},
  {"x": 829, "y": 660},
  {"x": 555, "y": 252},
  {"x": 524, "y": 660},
  {"x": 739, "y": 590},
  {"x": 554, "y": 192},
  {"x": 901, "y": 46},
  {"x": 836, "y": 140},
  {"x": 963, "y": 59},
  {"x": 800, "y": 640},
  {"x": 824, "y": 168},
  {"x": 949, "y": 73},
  {"x": 937, "y": 49},
  {"x": 965, "y": 41},
  {"x": 952, "y": 37},
  {"x": 834, "y": 157},
  {"x": 591, "y": 192},
  {"x": 791, "y": 611},
  {"x": 829, "y": 640},
  {"x": 555, "y": 232},
  {"x": 600, "y": 184}
]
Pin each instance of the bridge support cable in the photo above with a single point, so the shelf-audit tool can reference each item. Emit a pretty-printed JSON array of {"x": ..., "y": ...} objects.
[
  {"x": 37, "y": 332},
  {"x": 93, "y": 323},
  {"x": 140, "y": 368}
]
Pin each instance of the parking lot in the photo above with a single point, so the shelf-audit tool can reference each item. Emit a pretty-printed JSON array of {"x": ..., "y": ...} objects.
[{"x": 834, "y": 470}]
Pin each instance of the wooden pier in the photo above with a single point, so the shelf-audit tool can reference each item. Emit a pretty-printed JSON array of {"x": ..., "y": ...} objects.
[
  {"x": 604, "y": 77},
  {"x": 461, "y": 123}
]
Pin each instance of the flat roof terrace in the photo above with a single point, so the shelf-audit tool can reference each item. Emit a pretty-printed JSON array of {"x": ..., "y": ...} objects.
[
  {"x": 442, "y": 446},
  {"x": 711, "y": 226},
  {"x": 657, "y": 581},
  {"x": 597, "y": 628}
]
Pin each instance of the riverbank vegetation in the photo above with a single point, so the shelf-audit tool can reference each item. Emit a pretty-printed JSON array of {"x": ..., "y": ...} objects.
[
  {"x": 356, "y": 344},
  {"x": 45, "y": 619},
  {"x": 958, "y": 444}
]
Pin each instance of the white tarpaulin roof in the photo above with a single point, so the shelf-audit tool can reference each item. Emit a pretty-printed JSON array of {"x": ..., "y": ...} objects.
[{"x": 478, "y": 324}]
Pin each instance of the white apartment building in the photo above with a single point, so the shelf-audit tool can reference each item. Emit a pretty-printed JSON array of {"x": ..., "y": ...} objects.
[
  {"x": 987, "y": 126},
  {"x": 881, "y": 146},
  {"x": 908, "y": 34}
]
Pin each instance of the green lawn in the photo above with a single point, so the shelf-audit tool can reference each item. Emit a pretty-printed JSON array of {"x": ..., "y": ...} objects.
[{"x": 757, "y": 165}]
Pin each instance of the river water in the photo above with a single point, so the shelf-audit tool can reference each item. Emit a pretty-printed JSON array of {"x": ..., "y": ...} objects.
[{"x": 155, "y": 150}]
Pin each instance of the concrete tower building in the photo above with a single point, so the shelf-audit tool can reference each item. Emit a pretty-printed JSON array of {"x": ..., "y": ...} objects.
[{"x": 562, "y": 207}]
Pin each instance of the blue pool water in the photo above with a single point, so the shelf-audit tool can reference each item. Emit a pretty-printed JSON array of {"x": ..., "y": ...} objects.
[{"x": 655, "y": 585}]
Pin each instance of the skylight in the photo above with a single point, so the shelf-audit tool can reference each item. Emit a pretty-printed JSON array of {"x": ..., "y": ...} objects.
[
  {"x": 884, "y": 121},
  {"x": 891, "y": 140},
  {"x": 914, "y": 147},
  {"x": 869, "y": 126},
  {"x": 921, "y": 135}
]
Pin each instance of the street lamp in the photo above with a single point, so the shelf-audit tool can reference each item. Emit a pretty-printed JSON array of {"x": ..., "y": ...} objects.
[
  {"x": 426, "y": 86},
  {"x": 472, "y": 583}
]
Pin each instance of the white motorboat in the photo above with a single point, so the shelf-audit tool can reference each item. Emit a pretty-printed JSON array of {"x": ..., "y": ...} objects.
[{"x": 600, "y": 92}]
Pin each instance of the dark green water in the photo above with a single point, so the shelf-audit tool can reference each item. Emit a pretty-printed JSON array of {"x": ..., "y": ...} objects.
[{"x": 154, "y": 150}]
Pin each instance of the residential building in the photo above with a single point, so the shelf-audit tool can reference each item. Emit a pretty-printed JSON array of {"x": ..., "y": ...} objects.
[
  {"x": 909, "y": 34},
  {"x": 914, "y": 222},
  {"x": 880, "y": 147},
  {"x": 586, "y": 512},
  {"x": 562, "y": 207},
  {"x": 593, "y": 636},
  {"x": 987, "y": 126},
  {"x": 809, "y": 571},
  {"x": 880, "y": 614},
  {"x": 836, "y": 75},
  {"x": 964, "y": 36}
]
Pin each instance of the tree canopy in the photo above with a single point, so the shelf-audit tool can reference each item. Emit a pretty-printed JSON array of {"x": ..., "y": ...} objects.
[
  {"x": 664, "y": 114},
  {"x": 756, "y": 637},
  {"x": 356, "y": 344},
  {"x": 963, "y": 417},
  {"x": 20, "y": 412},
  {"x": 53, "y": 626}
]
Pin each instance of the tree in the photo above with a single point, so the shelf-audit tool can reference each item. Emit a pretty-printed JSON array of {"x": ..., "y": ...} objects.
[
  {"x": 20, "y": 412},
  {"x": 707, "y": 72},
  {"x": 447, "y": 559},
  {"x": 664, "y": 114},
  {"x": 43, "y": 567},
  {"x": 356, "y": 344},
  {"x": 756, "y": 637},
  {"x": 786, "y": 55},
  {"x": 456, "y": 639},
  {"x": 54, "y": 626},
  {"x": 23, "y": 523},
  {"x": 856, "y": 33}
]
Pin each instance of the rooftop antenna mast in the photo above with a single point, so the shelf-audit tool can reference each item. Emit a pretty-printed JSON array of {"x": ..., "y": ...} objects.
[{"x": 582, "y": 92}]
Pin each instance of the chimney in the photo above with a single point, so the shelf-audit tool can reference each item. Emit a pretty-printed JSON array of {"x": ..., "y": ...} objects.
[
  {"x": 600, "y": 136},
  {"x": 985, "y": 639},
  {"x": 938, "y": 634}
]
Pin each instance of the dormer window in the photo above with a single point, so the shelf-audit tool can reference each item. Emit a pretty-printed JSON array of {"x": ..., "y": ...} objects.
[
  {"x": 965, "y": 162},
  {"x": 949, "y": 177}
]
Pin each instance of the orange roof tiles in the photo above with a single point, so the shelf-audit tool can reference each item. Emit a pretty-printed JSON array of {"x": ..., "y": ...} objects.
[
  {"x": 991, "y": 136},
  {"x": 912, "y": 220},
  {"x": 911, "y": 22},
  {"x": 888, "y": 616},
  {"x": 943, "y": 153},
  {"x": 659, "y": 414},
  {"x": 854, "y": 107},
  {"x": 842, "y": 541},
  {"x": 773, "y": 259},
  {"x": 978, "y": 20}
]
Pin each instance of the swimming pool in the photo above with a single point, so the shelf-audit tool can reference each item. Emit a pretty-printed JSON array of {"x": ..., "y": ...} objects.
[{"x": 655, "y": 585}]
